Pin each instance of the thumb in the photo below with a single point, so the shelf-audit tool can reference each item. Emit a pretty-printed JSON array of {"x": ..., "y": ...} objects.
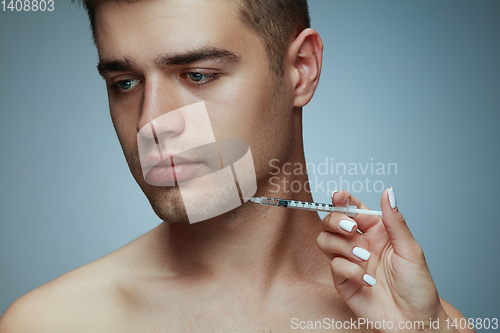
[{"x": 403, "y": 242}]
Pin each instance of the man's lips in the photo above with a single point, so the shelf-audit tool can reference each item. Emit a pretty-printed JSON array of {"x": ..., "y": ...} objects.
[
  {"x": 164, "y": 174},
  {"x": 172, "y": 168},
  {"x": 153, "y": 160}
]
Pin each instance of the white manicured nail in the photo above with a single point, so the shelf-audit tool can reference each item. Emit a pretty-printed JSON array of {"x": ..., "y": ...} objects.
[
  {"x": 368, "y": 279},
  {"x": 333, "y": 193},
  {"x": 361, "y": 253},
  {"x": 392, "y": 198},
  {"x": 346, "y": 225}
]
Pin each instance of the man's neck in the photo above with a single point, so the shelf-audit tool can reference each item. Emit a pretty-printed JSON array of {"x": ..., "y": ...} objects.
[{"x": 254, "y": 242}]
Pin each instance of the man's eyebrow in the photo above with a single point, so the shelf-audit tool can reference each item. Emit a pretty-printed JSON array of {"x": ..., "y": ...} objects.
[
  {"x": 175, "y": 59},
  {"x": 197, "y": 55},
  {"x": 114, "y": 66}
]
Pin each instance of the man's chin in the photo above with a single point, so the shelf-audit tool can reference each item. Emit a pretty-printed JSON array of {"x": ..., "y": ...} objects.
[
  {"x": 168, "y": 205},
  {"x": 193, "y": 203}
]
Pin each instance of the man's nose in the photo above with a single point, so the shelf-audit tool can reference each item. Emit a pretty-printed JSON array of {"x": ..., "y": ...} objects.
[{"x": 159, "y": 100}]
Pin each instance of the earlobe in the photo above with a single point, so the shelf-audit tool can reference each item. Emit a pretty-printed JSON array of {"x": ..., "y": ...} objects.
[{"x": 305, "y": 54}]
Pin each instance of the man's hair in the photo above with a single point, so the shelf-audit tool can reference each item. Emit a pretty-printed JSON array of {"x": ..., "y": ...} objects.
[{"x": 276, "y": 22}]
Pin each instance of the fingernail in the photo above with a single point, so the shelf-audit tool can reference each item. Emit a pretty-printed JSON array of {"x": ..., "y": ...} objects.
[
  {"x": 346, "y": 225},
  {"x": 333, "y": 193},
  {"x": 392, "y": 198},
  {"x": 368, "y": 279},
  {"x": 361, "y": 253}
]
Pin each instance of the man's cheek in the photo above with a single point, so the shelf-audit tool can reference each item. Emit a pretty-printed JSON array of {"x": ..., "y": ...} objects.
[{"x": 227, "y": 123}]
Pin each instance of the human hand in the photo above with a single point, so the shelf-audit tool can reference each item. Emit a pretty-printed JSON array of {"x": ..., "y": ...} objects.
[{"x": 380, "y": 274}]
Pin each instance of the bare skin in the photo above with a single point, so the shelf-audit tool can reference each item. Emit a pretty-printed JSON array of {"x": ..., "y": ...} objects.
[{"x": 255, "y": 268}]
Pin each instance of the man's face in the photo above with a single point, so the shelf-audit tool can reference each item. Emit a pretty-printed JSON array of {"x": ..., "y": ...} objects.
[{"x": 158, "y": 56}]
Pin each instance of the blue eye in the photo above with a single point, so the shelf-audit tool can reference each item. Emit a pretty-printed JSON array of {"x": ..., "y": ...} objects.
[
  {"x": 196, "y": 76},
  {"x": 127, "y": 84},
  {"x": 201, "y": 78}
]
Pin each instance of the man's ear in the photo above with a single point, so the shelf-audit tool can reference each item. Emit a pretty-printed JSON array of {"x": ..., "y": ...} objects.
[{"x": 304, "y": 58}]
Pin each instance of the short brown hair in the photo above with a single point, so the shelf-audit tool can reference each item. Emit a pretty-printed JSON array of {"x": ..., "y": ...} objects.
[{"x": 276, "y": 22}]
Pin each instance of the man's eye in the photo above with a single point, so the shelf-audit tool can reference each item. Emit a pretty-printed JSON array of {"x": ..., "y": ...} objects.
[
  {"x": 127, "y": 84},
  {"x": 202, "y": 78}
]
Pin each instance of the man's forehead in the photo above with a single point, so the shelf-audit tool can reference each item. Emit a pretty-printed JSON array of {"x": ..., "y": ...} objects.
[{"x": 173, "y": 26}]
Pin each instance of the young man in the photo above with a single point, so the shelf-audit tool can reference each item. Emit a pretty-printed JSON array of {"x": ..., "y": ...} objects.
[{"x": 254, "y": 64}]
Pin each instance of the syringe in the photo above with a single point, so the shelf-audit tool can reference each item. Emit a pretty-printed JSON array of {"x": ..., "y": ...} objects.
[{"x": 313, "y": 206}]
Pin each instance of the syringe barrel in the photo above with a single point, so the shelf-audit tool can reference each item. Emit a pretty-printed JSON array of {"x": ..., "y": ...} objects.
[{"x": 313, "y": 206}]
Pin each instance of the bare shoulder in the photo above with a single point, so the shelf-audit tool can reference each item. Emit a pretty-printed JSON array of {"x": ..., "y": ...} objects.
[
  {"x": 87, "y": 299},
  {"x": 74, "y": 302}
]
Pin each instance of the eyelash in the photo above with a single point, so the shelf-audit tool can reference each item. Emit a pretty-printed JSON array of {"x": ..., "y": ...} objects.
[
  {"x": 212, "y": 77},
  {"x": 116, "y": 88}
]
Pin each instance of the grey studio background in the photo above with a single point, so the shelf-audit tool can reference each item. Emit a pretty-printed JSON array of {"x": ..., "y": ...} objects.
[{"x": 413, "y": 83}]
